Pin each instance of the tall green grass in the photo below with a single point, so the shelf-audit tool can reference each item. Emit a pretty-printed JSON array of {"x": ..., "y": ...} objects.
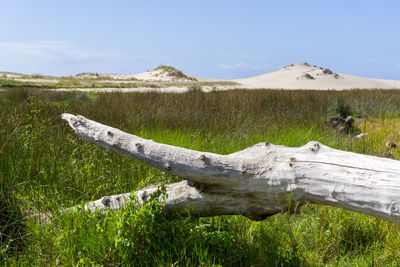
[{"x": 45, "y": 167}]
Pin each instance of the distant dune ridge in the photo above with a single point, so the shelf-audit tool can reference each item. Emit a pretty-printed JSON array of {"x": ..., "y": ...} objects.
[
  {"x": 306, "y": 76},
  {"x": 162, "y": 73},
  {"x": 295, "y": 76}
]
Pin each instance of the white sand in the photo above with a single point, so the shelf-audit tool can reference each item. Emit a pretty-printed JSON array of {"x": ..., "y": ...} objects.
[
  {"x": 154, "y": 76},
  {"x": 296, "y": 77}
]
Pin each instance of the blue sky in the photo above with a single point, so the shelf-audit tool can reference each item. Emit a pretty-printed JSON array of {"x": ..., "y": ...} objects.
[{"x": 219, "y": 39}]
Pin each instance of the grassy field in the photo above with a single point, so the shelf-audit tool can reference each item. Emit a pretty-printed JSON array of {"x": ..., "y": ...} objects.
[{"x": 45, "y": 167}]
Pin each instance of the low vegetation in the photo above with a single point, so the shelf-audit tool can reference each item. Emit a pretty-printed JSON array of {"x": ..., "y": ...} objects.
[
  {"x": 104, "y": 82},
  {"x": 173, "y": 72},
  {"x": 45, "y": 167}
]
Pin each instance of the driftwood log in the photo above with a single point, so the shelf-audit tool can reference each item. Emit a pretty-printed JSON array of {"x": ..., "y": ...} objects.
[{"x": 255, "y": 182}]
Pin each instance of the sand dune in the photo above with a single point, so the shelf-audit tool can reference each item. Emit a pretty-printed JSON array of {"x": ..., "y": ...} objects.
[
  {"x": 306, "y": 76},
  {"x": 160, "y": 74}
]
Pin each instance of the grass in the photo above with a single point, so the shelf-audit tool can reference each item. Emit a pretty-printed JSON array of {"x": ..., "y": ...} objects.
[{"x": 44, "y": 166}]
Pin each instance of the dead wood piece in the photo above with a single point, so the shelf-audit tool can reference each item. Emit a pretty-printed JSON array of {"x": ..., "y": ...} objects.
[{"x": 258, "y": 181}]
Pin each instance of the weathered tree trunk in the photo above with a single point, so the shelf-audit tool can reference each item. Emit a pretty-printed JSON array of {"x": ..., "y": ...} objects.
[{"x": 258, "y": 181}]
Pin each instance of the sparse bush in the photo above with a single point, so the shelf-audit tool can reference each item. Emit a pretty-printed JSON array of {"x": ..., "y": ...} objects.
[
  {"x": 343, "y": 108},
  {"x": 327, "y": 71},
  {"x": 36, "y": 76},
  {"x": 308, "y": 76}
]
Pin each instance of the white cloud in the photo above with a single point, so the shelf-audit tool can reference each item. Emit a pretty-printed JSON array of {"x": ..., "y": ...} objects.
[
  {"x": 66, "y": 58},
  {"x": 55, "y": 50}
]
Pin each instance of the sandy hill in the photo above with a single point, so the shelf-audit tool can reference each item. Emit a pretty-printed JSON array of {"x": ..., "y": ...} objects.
[
  {"x": 306, "y": 76},
  {"x": 162, "y": 73}
]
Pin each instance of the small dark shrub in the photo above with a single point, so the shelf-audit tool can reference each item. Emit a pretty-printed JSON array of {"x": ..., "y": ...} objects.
[
  {"x": 308, "y": 76},
  {"x": 343, "y": 108},
  {"x": 327, "y": 71}
]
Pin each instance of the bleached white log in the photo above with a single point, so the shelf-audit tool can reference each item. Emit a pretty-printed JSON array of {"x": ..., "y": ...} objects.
[{"x": 258, "y": 181}]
